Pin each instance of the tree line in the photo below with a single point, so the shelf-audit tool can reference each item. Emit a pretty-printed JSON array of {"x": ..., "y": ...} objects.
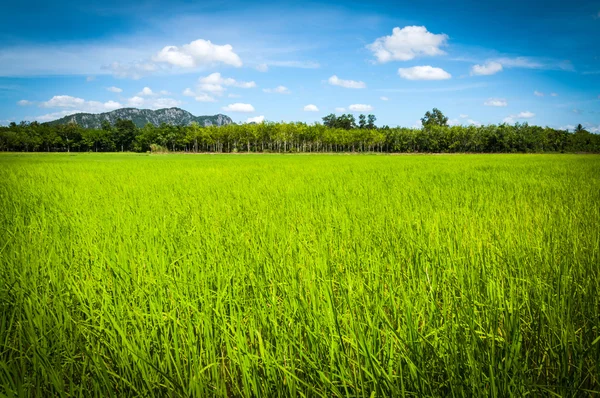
[{"x": 336, "y": 134}]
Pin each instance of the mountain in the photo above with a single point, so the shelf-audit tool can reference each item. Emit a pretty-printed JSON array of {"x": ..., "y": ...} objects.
[{"x": 173, "y": 116}]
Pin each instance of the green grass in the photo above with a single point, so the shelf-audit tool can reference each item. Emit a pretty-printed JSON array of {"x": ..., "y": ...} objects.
[{"x": 350, "y": 276}]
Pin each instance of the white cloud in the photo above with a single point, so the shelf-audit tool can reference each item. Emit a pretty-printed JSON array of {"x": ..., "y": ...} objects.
[
  {"x": 521, "y": 115},
  {"x": 407, "y": 43},
  {"x": 384, "y": 98},
  {"x": 593, "y": 129},
  {"x": 473, "y": 122},
  {"x": 335, "y": 81},
  {"x": 198, "y": 53},
  {"x": 146, "y": 92},
  {"x": 164, "y": 92},
  {"x": 136, "y": 101},
  {"x": 453, "y": 122},
  {"x": 277, "y": 90},
  {"x": 203, "y": 97},
  {"x": 567, "y": 127},
  {"x": 553, "y": 94},
  {"x": 63, "y": 101},
  {"x": 114, "y": 89},
  {"x": 525, "y": 115},
  {"x": 52, "y": 116},
  {"x": 256, "y": 119},
  {"x": 340, "y": 110},
  {"x": 152, "y": 103},
  {"x": 534, "y": 63},
  {"x": 489, "y": 68},
  {"x": 216, "y": 78},
  {"x": 360, "y": 108},
  {"x": 311, "y": 108},
  {"x": 238, "y": 107},
  {"x": 495, "y": 102},
  {"x": 423, "y": 73},
  {"x": 67, "y": 102},
  {"x": 215, "y": 83},
  {"x": 234, "y": 95},
  {"x": 538, "y": 94},
  {"x": 24, "y": 103},
  {"x": 462, "y": 116},
  {"x": 262, "y": 68},
  {"x": 188, "y": 92},
  {"x": 134, "y": 70},
  {"x": 90, "y": 78}
]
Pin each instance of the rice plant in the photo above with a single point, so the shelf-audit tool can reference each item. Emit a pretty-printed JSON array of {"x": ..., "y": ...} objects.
[{"x": 316, "y": 275}]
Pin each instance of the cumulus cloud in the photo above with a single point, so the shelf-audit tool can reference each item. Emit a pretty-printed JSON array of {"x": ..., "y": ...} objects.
[
  {"x": 256, "y": 119},
  {"x": 24, "y": 103},
  {"x": 188, "y": 92},
  {"x": 311, "y": 108},
  {"x": 473, "y": 122},
  {"x": 407, "y": 43},
  {"x": 384, "y": 98},
  {"x": 340, "y": 110},
  {"x": 53, "y": 116},
  {"x": 277, "y": 90},
  {"x": 336, "y": 81},
  {"x": 262, "y": 67},
  {"x": 67, "y": 102},
  {"x": 231, "y": 95},
  {"x": 525, "y": 115},
  {"x": 216, "y": 84},
  {"x": 462, "y": 116},
  {"x": 423, "y": 73},
  {"x": 136, "y": 101},
  {"x": 146, "y": 92},
  {"x": 360, "y": 108},
  {"x": 238, "y": 107},
  {"x": 63, "y": 101},
  {"x": 521, "y": 115},
  {"x": 495, "y": 102},
  {"x": 538, "y": 94},
  {"x": 198, "y": 53},
  {"x": 114, "y": 89},
  {"x": 489, "y": 68}
]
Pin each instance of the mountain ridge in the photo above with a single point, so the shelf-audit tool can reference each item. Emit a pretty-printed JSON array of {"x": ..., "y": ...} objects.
[{"x": 140, "y": 117}]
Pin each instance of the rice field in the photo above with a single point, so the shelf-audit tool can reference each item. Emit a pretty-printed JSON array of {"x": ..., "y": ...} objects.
[{"x": 290, "y": 275}]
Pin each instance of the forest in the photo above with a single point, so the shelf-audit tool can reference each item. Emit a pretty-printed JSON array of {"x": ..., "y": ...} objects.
[{"x": 336, "y": 134}]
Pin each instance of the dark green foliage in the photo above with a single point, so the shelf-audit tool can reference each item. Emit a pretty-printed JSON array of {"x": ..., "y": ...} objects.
[
  {"x": 337, "y": 134},
  {"x": 434, "y": 118}
]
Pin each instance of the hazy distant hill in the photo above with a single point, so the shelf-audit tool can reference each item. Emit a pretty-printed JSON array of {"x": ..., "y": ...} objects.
[{"x": 173, "y": 116}]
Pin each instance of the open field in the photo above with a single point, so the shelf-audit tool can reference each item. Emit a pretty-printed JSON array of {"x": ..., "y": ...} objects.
[{"x": 273, "y": 275}]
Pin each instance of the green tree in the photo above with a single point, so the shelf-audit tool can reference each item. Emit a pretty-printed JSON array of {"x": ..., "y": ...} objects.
[
  {"x": 434, "y": 118},
  {"x": 124, "y": 134}
]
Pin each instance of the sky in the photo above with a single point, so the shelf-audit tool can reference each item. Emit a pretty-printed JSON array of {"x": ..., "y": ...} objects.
[{"x": 479, "y": 62}]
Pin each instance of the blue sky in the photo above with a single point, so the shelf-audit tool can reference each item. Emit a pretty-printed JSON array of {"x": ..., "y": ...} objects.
[{"x": 479, "y": 62}]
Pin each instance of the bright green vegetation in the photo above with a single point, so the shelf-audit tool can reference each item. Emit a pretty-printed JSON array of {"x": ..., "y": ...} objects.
[{"x": 316, "y": 275}]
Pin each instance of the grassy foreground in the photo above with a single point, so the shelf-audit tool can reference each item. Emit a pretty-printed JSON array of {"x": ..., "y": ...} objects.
[{"x": 135, "y": 275}]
